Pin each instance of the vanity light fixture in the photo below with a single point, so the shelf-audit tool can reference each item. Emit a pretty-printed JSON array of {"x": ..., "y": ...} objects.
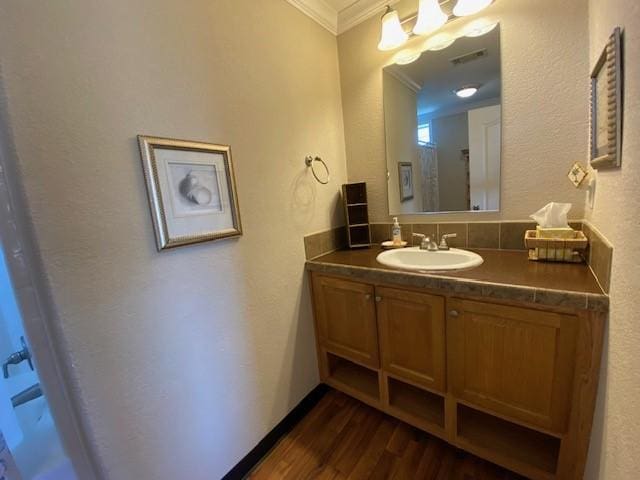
[
  {"x": 428, "y": 20},
  {"x": 430, "y": 17},
  {"x": 468, "y": 7},
  {"x": 392, "y": 35},
  {"x": 467, "y": 91}
]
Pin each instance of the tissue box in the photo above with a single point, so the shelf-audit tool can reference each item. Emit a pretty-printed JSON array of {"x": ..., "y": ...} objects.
[
  {"x": 556, "y": 249},
  {"x": 566, "y": 232}
]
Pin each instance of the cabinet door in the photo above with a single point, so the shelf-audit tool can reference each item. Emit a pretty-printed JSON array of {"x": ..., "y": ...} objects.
[
  {"x": 346, "y": 319},
  {"x": 516, "y": 362},
  {"x": 412, "y": 340}
]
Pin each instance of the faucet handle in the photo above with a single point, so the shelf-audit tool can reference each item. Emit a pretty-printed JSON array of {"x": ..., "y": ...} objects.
[
  {"x": 443, "y": 240},
  {"x": 420, "y": 236}
]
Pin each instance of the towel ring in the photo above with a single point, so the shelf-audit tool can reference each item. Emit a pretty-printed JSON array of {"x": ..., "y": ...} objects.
[{"x": 309, "y": 163}]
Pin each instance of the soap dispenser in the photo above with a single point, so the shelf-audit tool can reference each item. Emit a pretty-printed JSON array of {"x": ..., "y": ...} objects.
[{"x": 397, "y": 232}]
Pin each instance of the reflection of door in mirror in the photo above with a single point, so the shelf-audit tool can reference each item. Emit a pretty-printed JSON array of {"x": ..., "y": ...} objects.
[
  {"x": 484, "y": 157},
  {"x": 450, "y": 135}
]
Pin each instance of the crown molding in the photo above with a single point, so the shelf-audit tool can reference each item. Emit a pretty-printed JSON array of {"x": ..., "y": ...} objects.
[
  {"x": 338, "y": 22},
  {"x": 360, "y": 11},
  {"x": 320, "y": 11}
]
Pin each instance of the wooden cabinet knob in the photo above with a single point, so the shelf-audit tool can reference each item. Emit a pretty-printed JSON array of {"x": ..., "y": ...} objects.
[
  {"x": 454, "y": 313},
  {"x": 378, "y": 299},
  {"x": 367, "y": 297}
]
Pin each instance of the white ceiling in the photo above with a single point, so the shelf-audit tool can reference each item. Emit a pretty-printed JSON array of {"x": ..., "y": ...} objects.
[{"x": 338, "y": 16}]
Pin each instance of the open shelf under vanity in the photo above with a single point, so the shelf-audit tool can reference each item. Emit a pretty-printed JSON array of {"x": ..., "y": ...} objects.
[
  {"x": 415, "y": 406},
  {"x": 507, "y": 443},
  {"x": 352, "y": 378}
]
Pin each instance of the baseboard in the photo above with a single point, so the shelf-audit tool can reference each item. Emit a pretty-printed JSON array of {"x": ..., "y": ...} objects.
[{"x": 251, "y": 459}]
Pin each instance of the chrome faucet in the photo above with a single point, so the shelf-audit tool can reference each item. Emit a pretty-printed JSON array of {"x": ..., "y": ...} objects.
[
  {"x": 443, "y": 240},
  {"x": 426, "y": 243},
  {"x": 16, "y": 358}
]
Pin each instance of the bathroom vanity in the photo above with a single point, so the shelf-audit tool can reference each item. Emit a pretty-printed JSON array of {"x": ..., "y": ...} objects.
[{"x": 501, "y": 360}]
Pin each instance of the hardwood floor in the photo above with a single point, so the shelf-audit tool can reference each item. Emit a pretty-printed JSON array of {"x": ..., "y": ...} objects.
[{"x": 342, "y": 438}]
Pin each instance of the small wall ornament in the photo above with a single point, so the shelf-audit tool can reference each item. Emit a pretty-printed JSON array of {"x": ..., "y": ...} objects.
[{"x": 577, "y": 174}]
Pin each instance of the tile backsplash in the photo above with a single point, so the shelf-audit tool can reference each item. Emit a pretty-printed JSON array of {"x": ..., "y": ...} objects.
[
  {"x": 500, "y": 235},
  {"x": 599, "y": 256},
  {"x": 320, "y": 243}
]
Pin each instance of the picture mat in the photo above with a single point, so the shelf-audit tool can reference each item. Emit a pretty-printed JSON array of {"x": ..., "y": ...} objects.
[{"x": 195, "y": 223}]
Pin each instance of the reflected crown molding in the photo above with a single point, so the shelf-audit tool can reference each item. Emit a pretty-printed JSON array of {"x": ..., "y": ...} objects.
[
  {"x": 399, "y": 75},
  {"x": 339, "y": 21}
]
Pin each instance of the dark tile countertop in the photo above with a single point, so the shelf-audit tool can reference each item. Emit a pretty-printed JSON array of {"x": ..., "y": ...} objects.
[{"x": 505, "y": 274}]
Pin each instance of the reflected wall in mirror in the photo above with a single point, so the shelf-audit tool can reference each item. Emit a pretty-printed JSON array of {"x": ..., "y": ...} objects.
[{"x": 443, "y": 116}]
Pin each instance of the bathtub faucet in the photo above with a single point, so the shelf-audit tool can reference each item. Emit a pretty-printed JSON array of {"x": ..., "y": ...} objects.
[{"x": 16, "y": 358}]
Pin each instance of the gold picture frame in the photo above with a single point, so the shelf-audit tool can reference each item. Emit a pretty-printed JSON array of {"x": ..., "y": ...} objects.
[
  {"x": 191, "y": 189},
  {"x": 606, "y": 106}
]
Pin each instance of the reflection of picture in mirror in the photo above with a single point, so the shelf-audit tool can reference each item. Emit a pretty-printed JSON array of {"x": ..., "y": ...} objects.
[
  {"x": 195, "y": 189},
  {"x": 405, "y": 174},
  {"x": 448, "y": 133}
]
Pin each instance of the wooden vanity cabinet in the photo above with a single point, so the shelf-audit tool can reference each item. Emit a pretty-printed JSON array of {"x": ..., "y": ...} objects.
[
  {"x": 511, "y": 382},
  {"x": 346, "y": 319},
  {"x": 517, "y": 362},
  {"x": 412, "y": 340}
]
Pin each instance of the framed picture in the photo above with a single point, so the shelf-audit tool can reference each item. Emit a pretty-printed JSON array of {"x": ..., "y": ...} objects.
[
  {"x": 191, "y": 189},
  {"x": 405, "y": 177},
  {"x": 606, "y": 106}
]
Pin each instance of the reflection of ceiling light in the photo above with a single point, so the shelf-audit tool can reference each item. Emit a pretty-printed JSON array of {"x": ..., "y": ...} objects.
[
  {"x": 406, "y": 56},
  {"x": 467, "y": 91},
  {"x": 430, "y": 17},
  {"x": 392, "y": 35},
  {"x": 469, "y": 7},
  {"x": 479, "y": 28},
  {"x": 439, "y": 42}
]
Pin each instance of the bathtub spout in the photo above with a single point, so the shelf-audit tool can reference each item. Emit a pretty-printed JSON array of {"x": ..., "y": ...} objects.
[
  {"x": 31, "y": 393},
  {"x": 16, "y": 358}
]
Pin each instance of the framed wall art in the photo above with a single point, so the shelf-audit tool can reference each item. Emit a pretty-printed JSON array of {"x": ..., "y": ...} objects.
[
  {"x": 606, "y": 106},
  {"x": 191, "y": 189}
]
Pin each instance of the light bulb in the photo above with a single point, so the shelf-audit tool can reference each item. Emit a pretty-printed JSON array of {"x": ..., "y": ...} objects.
[
  {"x": 478, "y": 28},
  {"x": 430, "y": 17},
  {"x": 469, "y": 7},
  {"x": 392, "y": 35},
  {"x": 406, "y": 56},
  {"x": 467, "y": 91},
  {"x": 439, "y": 42}
]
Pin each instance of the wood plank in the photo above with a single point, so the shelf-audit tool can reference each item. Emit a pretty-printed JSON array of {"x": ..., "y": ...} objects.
[{"x": 342, "y": 438}]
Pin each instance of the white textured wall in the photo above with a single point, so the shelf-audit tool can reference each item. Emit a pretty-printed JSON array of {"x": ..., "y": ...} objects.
[
  {"x": 616, "y": 431},
  {"x": 544, "y": 98},
  {"x": 402, "y": 141},
  {"x": 451, "y": 135},
  {"x": 186, "y": 358}
]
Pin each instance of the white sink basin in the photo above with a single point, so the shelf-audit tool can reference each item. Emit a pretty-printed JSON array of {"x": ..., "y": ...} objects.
[{"x": 417, "y": 260}]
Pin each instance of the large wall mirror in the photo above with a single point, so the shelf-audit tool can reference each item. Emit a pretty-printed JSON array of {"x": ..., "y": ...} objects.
[{"x": 443, "y": 128}]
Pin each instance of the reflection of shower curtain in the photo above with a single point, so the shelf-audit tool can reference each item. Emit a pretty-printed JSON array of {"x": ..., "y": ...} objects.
[{"x": 429, "y": 168}]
